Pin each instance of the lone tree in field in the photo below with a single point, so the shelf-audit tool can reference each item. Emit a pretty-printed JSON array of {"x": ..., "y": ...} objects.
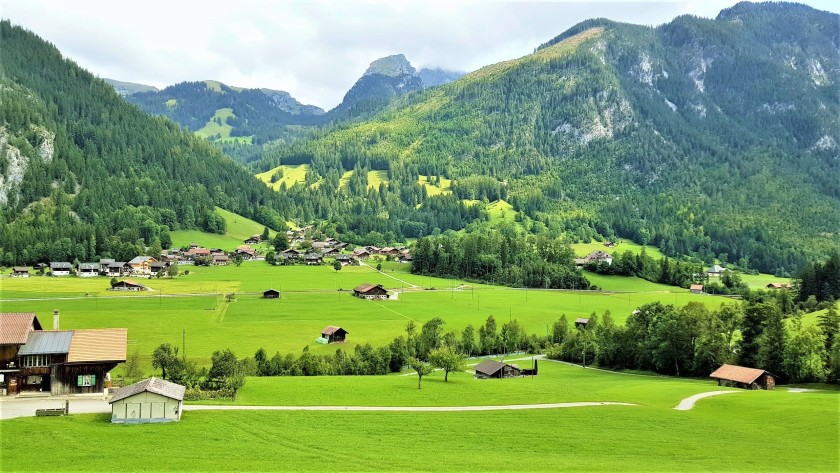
[
  {"x": 164, "y": 357},
  {"x": 448, "y": 359},
  {"x": 337, "y": 266},
  {"x": 421, "y": 367},
  {"x": 172, "y": 270}
]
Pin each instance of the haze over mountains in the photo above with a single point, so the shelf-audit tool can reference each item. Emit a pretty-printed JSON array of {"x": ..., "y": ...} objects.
[{"x": 702, "y": 137}]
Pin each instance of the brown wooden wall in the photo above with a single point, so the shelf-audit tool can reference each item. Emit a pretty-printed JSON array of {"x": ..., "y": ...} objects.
[{"x": 64, "y": 378}]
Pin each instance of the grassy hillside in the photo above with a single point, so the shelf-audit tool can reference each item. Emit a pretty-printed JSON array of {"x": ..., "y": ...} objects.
[
  {"x": 237, "y": 227},
  {"x": 291, "y": 175}
]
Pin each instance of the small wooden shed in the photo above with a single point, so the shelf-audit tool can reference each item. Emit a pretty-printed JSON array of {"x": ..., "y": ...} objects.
[
  {"x": 271, "y": 294},
  {"x": 581, "y": 322},
  {"x": 743, "y": 377},
  {"x": 150, "y": 400},
  {"x": 696, "y": 289},
  {"x": 128, "y": 285},
  {"x": 496, "y": 369},
  {"x": 334, "y": 334}
]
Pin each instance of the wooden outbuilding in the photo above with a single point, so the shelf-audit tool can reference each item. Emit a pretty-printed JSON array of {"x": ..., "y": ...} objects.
[
  {"x": 696, "y": 289},
  {"x": 743, "y": 377},
  {"x": 128, "y": 285},
  {"x": 779, "y": 285},
  {"x": 150, "y": 400},
  {"x": 334, "y": 334},
  {"x": 14, "y": 331},
  {"x": 496, "y": 369},
  {"x": 20, "y": 272},
  {"x": 370, "y": 291},
  {"x": 271, "y": 294},
  {"x": 581, "y": 322}
]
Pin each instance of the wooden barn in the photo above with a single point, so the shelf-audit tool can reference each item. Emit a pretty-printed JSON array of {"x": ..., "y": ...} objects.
[
  {"x": 14, "y": 330},
  {"x": 128, "y": 285},
  {"x": 743, "y": 377},
  {"x": 581, "y": 322},
  {"x": 20, "y": 272},
  {"x": 150, "y": 400},
  {"x": 370, "y": 291},
  {"x": 496, "y": 369},
  {"x": 271, "y": 294},
  {"x": 696, "y": 289},
  {"x": 334, "y": 334}
]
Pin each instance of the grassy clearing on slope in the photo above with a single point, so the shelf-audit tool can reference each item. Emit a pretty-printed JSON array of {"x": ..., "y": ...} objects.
[
  {"x": 583, "y": 249},
  {"x": 292, "y": 174},
  {"x": 798, "y": 432},
  {"x": 377, "y": 177},
  {"x": 237, "y": 229},
  {"x": 444, "y": 187},
  {"x": 759, "y": 281},
  {"x": 212, "y": 128}
]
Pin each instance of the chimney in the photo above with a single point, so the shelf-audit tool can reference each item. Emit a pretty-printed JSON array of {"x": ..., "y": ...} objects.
[{"x": 55, "y": 319}]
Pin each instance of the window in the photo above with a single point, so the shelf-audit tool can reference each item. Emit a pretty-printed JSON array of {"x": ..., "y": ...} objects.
[{"x": 33, "y": 361}]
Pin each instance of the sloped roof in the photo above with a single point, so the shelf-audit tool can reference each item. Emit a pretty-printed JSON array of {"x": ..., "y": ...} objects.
[
  {"x": 331, "y": 329},
  {"x": 716, "y": 269},
  {"x": 582, "y": 320},
  {"x": 152, "y": 385},
  {"x": 696, "y": 287},
  {"x": 89, "y": 266},
  {"x": 47, "y": 342},
  {"x": 96, "y": 345},
  {"x": 15, "y": 327},
  {"x": 130, "y": 282},
  {"x": 140, "y": 259},
  {"x": 739, "y": 374},
  {"x": 366, "y": 287},
  {"x": 61, "y": 265},
  {"x": 489, "y": 367},
  {"x": 21, "y": 269}
]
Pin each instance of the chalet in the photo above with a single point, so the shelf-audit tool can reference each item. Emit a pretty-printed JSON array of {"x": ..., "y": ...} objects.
[
  {"x": 331, "y": 252},
  {"x": 715, "y": 271},
  {"x": 779, "y": 285},
  {"x": 193, "y": 245},
  {"x": 595, "y": 257},
  {"x": 320, "y": 245},
  {"x": 147, "y": 401},
  {"x": 141, "y": 264},
  {"x": 158, "y": 267},
  {"x": 253, "y": 239},
  {"x": 406, "y": 258},
  {"x": 742, "y": 377},
  {"x": 389, "y": 251},
  {"x": 117, "y": 269},
  {"x": 128, "y": 285},
  {"x": 221, "y": 259},
  {"x": 271, "y": 294},
  {"x": 87, "y": 270},
  {"x": 346, "y": 259},
  {"x": 103, "y": 262},
  {"x": 696, "y": 289},
  {"x": 14, "y": 330},
  {"x": 370, "y": 291},
  {"x": 313, "y": 259},
  {"x": 57, "y": 361},
  {"x": 20, "y": 272},
  {"x": 334, "y": 334},
  {"x": 61, "y": 268},
  {"x": 581, "y": 322},
  {"x": 340, "y": 245},
  {"x": 292, "y": 253},
  {"x": 246, "y": 252},
  {"x": 496, "y": 369},
  {"x": 194, "y": 253},
  {"x": 361, "y": 253}
]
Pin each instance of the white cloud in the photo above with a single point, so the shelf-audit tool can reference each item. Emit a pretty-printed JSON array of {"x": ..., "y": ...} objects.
[{"x": 314, "y": 49}]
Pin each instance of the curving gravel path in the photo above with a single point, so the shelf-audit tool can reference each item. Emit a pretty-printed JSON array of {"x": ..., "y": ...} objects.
[
  {"x": 688, "y": 403},
  {"x": 510, "y": 407}
]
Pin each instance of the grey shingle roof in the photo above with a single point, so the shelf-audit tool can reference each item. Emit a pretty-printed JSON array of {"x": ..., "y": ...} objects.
[
  {"x": 152, "y": 385},
  {"x": 489, "y": 367},
  {"x": 47, "y": 343}
]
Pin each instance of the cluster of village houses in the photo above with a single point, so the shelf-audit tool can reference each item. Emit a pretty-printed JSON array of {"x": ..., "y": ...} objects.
[{"x": 148, "y": 266}]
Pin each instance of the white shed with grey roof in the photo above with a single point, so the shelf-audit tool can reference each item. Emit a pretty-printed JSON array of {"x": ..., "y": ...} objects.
[{"x": 150, "y": 400}]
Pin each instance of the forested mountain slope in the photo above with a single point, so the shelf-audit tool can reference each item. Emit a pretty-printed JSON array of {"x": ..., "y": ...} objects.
[
  {"x": 710, "y": 137},
  {"x": 86, "y": 174}
]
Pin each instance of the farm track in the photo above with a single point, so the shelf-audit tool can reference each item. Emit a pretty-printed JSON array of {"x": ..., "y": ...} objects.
[{"x": 688, "y": 403}]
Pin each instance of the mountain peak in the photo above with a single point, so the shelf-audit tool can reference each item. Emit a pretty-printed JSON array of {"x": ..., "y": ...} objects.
[{"x": 391, "y": 66}]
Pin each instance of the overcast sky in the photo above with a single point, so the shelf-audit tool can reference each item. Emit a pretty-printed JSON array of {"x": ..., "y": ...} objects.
[{"x": 316, "y": 49}]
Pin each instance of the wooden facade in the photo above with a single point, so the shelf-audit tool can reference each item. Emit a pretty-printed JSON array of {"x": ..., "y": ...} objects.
[{"x": 370, "y": 291}]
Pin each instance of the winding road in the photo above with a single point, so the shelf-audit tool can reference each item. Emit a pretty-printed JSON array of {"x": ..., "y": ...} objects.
[{"x": 688, "y": 403}]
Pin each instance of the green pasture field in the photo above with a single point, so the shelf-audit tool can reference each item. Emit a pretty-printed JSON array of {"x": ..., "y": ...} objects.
[
  {"x": 212, "y": 128},
  {"x": 237, "y": 229},
  {"x": 433, "y": 190},
  {"x": 780, "y": 430},
  {"x": 583, "y": 249},
  {"x": 311, "y": 300},
  {"x": 759, "y": 281}
]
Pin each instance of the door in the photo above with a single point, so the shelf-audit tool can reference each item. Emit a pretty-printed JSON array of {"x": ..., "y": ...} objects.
[{"x": 133, "y": 410}]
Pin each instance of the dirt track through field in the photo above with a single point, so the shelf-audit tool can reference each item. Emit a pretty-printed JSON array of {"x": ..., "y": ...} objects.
[{"x": 688, "y": 403}]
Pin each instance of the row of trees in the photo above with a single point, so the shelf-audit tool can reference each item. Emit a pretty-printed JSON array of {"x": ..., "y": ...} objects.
[{"x": 693, "y": 341}]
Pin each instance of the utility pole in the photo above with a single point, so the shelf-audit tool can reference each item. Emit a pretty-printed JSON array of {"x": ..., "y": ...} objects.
[{"x": 184, "y": 344}]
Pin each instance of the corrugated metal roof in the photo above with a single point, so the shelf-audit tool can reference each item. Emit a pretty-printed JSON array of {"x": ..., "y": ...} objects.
[
  {"x": 153, "y": 385},
  {"x": 739, "y": 374},
  {"x": 98, "y": 345},
  {"x": 15, "y": 327},
  {"x": 47, "y": 343}
]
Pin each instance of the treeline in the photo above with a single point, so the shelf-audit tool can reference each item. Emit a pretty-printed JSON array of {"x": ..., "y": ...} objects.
[
  {"x": 694, "y": 341},
  {"x": 820, "y": 280},
  {"x": 673, "y": 272},
  {"x": 493, "y": 257}
]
